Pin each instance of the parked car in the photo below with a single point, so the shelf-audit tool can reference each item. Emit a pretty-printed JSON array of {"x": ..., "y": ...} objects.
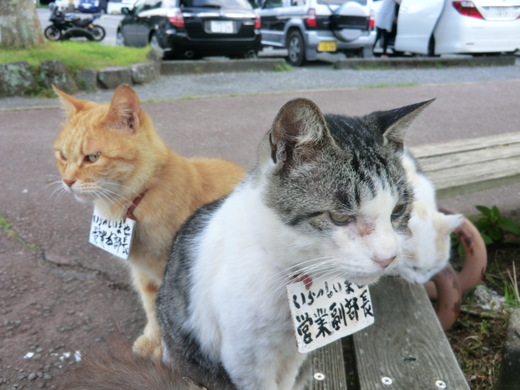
[
  {"x": 435, "y": 27},
  {"x": 115, "y": 6},
  {"x": 192, "y": 28},
  {"x": 92, "y": 6},
  {"x": 307, "y": 28}
]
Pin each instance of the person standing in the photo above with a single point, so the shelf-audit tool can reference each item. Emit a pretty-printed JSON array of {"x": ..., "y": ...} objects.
[{"x": 386, "y": 24}]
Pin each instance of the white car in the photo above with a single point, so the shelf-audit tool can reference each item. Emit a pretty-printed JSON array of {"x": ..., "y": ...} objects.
[
  {"x": 64, "y": 4},
  {"x": 435, "y": 27},
  {"x": 115, "y": 6}
]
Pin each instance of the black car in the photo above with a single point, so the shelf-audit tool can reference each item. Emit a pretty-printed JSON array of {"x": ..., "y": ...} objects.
[{"x": 192, "y": 28}]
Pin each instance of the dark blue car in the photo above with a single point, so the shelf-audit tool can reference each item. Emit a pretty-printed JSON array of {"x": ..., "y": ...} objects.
[{"x": 92, "y": 6}]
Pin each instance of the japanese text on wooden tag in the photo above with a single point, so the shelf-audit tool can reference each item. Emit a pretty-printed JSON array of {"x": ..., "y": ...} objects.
[
  {"x": 328, "y": 311},
  {"x": 114, "y": 237}
]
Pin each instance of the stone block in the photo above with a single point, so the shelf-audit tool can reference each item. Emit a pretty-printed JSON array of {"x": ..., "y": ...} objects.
[
  {"x": 16, "y": 79},
  {"x": 55, "y": 73},
  {"x": 86, "y": 79},
  {"x": 112, "y": 77},
  {"x": 144, "y": 73}
]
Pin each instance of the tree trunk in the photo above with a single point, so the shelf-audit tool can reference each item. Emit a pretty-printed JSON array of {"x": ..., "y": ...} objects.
[{"x": 19, "y": 25}]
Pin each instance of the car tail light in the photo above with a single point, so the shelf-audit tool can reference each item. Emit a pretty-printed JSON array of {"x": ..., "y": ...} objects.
[
  {"x": 310, "y": 19},
  {"x": 467, "y": 8},
  {"x": 372, "y": 20},
  {"x": 176, "y": 18},
  {"x": 258, "y": 24}
]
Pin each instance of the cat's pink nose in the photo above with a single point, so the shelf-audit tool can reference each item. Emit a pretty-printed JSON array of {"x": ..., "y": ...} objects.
[
  {"x": 69, "y": 183},
  {"x": 385, "y": 262}
]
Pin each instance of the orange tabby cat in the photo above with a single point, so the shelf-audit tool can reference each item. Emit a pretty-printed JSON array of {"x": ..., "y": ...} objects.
[{"x": 111, "y": 154}]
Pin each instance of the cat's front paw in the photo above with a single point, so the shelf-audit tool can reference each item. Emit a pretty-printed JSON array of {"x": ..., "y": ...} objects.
[{"x": 145, "y": 346}]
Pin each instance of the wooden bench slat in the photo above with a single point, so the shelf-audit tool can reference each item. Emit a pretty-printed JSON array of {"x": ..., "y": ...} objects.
[
  {"x": 464, "y": 179},
  {"x": 469, "y": 159},
  {"x": 328, "y": 368},
  {"x": 406, "y": 344},
  {"x": 440, "y": 149},
  {"x": 464, "y": 166}
]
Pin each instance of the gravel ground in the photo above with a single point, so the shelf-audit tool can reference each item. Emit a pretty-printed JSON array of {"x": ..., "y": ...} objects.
[{"x": 316, "y": 76}]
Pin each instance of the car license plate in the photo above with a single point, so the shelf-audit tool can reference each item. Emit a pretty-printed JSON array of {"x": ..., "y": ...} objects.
[
  {"x": 327, "y": 46},
  {"x": 499, "y": 12},
  {"x": 221, "y": 27}
]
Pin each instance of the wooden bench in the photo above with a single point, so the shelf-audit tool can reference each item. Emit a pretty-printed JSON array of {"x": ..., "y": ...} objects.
[{"x": 406, "y": 348}]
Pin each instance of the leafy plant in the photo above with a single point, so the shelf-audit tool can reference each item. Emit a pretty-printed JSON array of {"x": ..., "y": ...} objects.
[{"x": 493, "y": 226}]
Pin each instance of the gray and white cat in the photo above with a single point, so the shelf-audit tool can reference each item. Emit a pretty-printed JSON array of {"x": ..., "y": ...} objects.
[
  {"x": 328, "y": 197},
  {"x": 427, "y": 250}
]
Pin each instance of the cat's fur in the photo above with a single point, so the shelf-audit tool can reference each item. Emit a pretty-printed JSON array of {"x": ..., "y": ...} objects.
[
  {"x": 328, "y": 196},
  {"x": 427, "y": 250},
  {"x": 117, "y": 368},
  {"x": 132, "y": 160}
]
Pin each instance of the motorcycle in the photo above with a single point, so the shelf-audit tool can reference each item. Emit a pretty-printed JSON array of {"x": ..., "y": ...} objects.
[{"x": 68, "y": 25}]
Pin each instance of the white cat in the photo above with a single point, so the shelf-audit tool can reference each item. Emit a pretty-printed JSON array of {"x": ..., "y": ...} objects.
[
  {"x": 427, "y": 250},
  {"x": 328, "y": 197}
]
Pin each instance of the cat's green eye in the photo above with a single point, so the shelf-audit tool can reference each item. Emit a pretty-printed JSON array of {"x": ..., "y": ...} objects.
[
  {"x": 341, "y": 219},
  {"x": 398, "y": 211},
  {"x": 92, "y": 157}
]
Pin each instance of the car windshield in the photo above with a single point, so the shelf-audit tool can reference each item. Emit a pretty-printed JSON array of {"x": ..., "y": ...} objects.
[{"x": 216, "y": 3}]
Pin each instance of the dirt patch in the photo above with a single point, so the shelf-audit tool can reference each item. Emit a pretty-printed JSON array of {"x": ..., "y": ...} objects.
[{"x": 51, "y": 313}]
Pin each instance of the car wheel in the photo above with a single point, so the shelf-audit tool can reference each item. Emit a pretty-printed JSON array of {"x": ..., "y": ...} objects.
[
  {"x": 296, "y": 48},
  {"x": 52, "y": 33},
  {"x": 120, "y": 38}
]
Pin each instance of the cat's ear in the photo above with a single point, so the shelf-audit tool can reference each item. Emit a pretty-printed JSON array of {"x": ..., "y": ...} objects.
[
  {"x": 124, "y": 112},
  {"x": 70, "y": 104},
  {"x": 453, "y": 221},
  {"x": 393, "y": 123},
  {"x": 297, "y": 132}
]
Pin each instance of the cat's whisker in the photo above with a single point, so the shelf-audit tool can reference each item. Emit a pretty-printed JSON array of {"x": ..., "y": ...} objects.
[{"x": 314, "y": 267}]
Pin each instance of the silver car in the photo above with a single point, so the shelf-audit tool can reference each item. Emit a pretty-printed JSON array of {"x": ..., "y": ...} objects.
[{"x": 307, "y": 27}]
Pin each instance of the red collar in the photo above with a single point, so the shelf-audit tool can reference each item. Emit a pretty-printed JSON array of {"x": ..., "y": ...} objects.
[
  {"x": 306, "y": 279},
  {"x": 135, "y": 203}
]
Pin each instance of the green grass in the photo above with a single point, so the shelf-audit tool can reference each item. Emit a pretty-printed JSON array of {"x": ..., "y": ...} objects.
[
  {"x": 7, "y": 228},
  {"x": 78, "y": 55}
]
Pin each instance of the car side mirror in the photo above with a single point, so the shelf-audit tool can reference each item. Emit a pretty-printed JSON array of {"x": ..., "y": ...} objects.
[{"x": 125, "y": 11}]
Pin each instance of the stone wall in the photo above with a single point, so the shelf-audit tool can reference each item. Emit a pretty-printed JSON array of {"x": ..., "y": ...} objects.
[{"x": 20, "y": 79}]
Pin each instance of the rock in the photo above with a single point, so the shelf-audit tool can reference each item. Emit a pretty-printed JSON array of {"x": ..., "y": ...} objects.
[
  {"x": 112, "y": 77},
  {"x": 488, "y": 299},
  {"x": 86, "y": 79},
  {"x": 510, "y": 374},
  {"x": 144, "y": 73},
  {"x": 55, "y": 72},
  {"x": 16, "y": 79}
]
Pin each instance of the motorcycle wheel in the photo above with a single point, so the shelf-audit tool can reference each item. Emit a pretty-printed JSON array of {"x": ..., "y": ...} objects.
[
  {"x": 98, "y": 32},
  {"x": 52, "y": 33}
]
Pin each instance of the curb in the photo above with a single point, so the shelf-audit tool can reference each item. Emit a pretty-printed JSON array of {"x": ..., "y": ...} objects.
[
  {"x": 215, "y": 66},
  {"x": 424, "y": 62},
  {"x": 510, "y": 374}
]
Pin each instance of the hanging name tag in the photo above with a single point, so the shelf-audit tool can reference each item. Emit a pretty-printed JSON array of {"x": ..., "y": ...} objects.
[
  {"x": 328, "y": 311},
  {"x": 114, "y": 237}
]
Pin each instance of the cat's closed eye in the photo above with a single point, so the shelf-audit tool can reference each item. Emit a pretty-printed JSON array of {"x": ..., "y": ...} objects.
[
  {"x": 341, "y": 219},
  {"x": 62, "y": 155},
  {"x": 92, "y": 157}
]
